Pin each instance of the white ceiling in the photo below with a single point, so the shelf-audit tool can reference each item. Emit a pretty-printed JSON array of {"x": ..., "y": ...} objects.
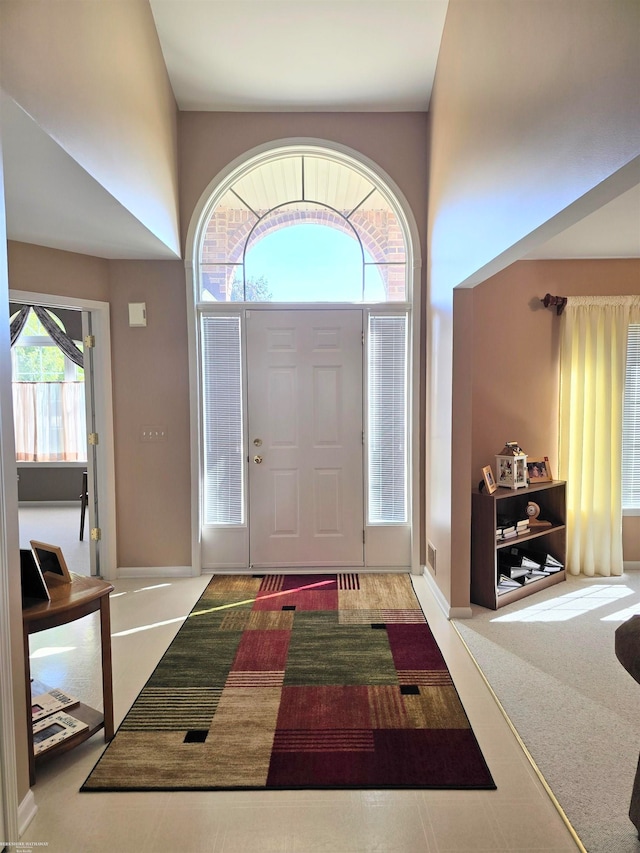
[{"x": 237, "y": 55}]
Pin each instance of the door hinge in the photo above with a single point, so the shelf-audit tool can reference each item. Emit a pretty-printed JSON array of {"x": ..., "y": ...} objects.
[
  {"x": 363, "y": 542},
  {"x": 363, "y": 436},
  {"x": 93, "y": 438},
  {"x": 363, "y": 339},
  {"x": 96, "y": 534},
  {"x": 89, "y": 341}
]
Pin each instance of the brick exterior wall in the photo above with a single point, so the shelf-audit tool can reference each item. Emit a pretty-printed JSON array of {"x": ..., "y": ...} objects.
[{"x": 229, "y": 229}]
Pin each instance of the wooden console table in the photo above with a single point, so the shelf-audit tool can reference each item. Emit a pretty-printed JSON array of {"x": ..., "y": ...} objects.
[{"x": 71, "y": 601}]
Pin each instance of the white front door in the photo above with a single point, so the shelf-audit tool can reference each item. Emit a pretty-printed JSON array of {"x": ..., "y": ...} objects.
[{"x": 304, "y": 404}]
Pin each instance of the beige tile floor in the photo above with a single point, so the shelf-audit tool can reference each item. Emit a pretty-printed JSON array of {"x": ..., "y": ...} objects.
[{"x": 518, "y": 816}]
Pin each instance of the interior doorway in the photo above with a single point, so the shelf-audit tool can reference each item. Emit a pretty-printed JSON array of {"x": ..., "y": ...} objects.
[{"x": 100, "y": 534}]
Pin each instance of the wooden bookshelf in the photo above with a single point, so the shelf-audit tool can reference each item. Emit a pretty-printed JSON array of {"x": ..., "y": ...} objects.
[{"x": 485, "y": 546}]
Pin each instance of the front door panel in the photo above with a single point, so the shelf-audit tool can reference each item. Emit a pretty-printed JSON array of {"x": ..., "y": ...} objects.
[{"x": 304, "y": 391}]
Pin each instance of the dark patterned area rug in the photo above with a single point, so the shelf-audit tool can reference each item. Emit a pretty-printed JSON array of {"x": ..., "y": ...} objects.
[{"x": 297, "y": 681}]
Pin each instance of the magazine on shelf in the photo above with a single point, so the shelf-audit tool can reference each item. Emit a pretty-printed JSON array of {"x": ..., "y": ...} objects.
[
  {"x": 54, "y": 729},
  {"x": 535, "y": 575},
  {"x": 517, "y": 555},
  {"x": 49, "y": 702},
  {"x": 507, "y": 584}
]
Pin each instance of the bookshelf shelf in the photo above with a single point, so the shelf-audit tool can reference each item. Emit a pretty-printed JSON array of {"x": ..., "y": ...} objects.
[{"x": 486, "y": 548}]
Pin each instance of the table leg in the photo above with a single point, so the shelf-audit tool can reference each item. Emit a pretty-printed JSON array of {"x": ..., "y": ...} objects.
[
  {"x": 27, "y": 679},
  {"x": 107, "y": 677}
]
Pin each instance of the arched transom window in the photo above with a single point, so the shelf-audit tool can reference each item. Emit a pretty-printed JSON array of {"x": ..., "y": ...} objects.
[{"x": 303, "y": 227}]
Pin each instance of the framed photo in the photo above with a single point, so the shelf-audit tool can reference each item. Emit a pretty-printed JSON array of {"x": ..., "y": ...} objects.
[
  {"x": 539, "y": 471},
  {"x": 34, "y": 587},
  {"x": 489, "y": 479},
  {"x": 50, "y": 559}
]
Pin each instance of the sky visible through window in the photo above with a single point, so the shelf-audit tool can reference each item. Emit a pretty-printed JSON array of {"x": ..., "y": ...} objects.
[{"x": 305, "y": 263}]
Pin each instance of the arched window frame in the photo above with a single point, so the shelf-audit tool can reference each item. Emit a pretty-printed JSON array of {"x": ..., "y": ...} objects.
[
  {"x": 235, "y": 175},
  {"x": 209, "y": 198}
]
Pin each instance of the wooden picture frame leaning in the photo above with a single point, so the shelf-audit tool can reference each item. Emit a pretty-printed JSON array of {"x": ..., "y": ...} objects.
[
  {"x": 489, "y": 479},
  {"x": 539, "y": 471},
  {"x": 50, "y": 560}
]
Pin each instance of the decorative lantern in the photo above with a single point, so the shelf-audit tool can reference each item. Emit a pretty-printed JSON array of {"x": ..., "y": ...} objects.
[{"x": 511, "y": 466}]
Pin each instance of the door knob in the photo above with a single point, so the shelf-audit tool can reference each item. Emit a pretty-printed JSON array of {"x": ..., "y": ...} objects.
[{"x": 257, "y": 459}]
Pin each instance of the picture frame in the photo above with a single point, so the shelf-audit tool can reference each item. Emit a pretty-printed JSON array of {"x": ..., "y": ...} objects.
[
  {"x": 50, "y": 560},
  {"x": 34, "y": 586},
  {"x": 489, "y": 479},
  {"x": 539, "y": 471}
]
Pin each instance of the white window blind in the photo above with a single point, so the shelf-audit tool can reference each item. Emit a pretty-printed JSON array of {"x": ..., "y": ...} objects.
[
  {"x": 222, "y": 421},
  {"x": 387, "y": 423},
  {"x": 631, "y": 424}
]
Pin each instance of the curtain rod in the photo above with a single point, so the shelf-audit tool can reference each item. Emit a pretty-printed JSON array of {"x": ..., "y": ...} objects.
[{"x": 558, "y": 301}]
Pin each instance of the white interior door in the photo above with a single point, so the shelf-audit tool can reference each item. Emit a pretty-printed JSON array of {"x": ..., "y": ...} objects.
[{"x": 304, "y": 404}]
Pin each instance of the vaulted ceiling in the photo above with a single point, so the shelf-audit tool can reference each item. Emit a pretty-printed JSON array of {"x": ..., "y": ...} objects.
[{"x": 238, "y": 56}]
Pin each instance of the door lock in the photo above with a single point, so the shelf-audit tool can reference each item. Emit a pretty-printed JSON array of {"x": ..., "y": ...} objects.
[{"x": 257, "y": 442}]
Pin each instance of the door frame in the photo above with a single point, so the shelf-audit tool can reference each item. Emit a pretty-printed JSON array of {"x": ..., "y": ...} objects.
[
  {"x": 105, "y": 474},
  {"x": 417, "y": 437},
  {"x": 383, "y": 542}
]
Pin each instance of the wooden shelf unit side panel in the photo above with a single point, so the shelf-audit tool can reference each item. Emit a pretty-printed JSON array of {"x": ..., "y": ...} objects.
[{"x": 483, "y": 549}]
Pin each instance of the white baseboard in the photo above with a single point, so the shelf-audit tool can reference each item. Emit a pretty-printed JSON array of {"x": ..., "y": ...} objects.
[
  {"x": 631, "y": 565},
  {"x": 155, "y": 572},
  {"x": 449, "y": 611},
  {"x": 26, "y": 812}
]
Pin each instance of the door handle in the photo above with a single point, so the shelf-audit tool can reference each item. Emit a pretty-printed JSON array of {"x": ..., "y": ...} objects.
[{"x": 257, "y": 459}]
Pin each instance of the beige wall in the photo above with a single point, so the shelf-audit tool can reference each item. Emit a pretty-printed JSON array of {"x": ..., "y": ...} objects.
[
  {"x": 535, "y": 104},
  {"x": 533, "y": 124},
  {"x": 151, "y": 388},
  {"x": 92, "y": 75},
  {"x": 41, "y": 270},
  {"x": 516, "y": 359}
]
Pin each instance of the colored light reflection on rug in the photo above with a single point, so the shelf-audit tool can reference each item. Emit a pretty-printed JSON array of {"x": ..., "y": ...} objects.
[{"x": 297, "y": 681}]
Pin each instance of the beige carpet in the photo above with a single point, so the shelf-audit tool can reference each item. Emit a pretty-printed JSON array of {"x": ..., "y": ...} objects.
[{"x": 551, "y": 661}]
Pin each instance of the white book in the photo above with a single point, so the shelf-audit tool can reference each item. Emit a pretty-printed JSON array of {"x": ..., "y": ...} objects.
[
  {"x": 48, "y": 703},
  {"x": 54, "y": 729}
]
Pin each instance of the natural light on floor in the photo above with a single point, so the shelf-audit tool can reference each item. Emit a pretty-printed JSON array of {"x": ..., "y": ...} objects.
[
  {"x": 51, "y": 650},
  {"x": 212, "y": 609},
  {"x": 572, "y": 605}
]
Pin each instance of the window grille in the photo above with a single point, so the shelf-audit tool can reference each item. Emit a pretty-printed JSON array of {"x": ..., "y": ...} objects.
[
  {"x": 223, "y": 482},
  {"x": 387, "y": 419}
]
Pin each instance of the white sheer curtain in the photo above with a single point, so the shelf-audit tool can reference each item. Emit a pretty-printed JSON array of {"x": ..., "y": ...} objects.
[
  {"x": 592, "y": 375},
  {"x": 49, "y": 420}
]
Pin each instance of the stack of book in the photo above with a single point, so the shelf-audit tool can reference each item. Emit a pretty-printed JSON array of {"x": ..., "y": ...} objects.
[
  {"x": 508, "y": 528},
  {"x": 50, "y": 720}
]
